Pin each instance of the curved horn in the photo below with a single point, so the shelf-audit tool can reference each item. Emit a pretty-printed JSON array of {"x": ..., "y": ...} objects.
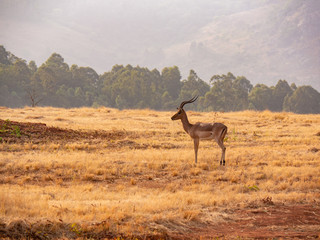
[{"x": 190, "y": 101}]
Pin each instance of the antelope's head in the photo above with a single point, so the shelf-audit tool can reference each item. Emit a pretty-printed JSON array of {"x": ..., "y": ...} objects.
[{"x": 180, "y": 113}]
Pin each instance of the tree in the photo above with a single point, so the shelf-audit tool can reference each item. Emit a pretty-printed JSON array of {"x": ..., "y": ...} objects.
[
  {"x": 32, "y": 67},
  {"x": 4, "y": 56},
  {"x": 5, "y": 96},
  {"x": 281, "y": 90},
  {"x": 109, "y": 91},
  {"x": 260, "y": 97},
  {"x": 34, "y": 96},
  {"x": 84, "y": 77},
  {"x": 216, "y": 78},
  {"x": 193, "y": 86},
  {"x": 16, "y": 78},
  {"x": 87, "y": 79},
  {"x": 220, "y": 97},
  {"x": 120, "y": 102},
  {"x": 241, "y": 88},
  {"x": 60, "y": 69},
  {"x": 167, "y": 102},
  {"x": 34, "y": 88},
  {"x": 303, "y": 100},
  {"x": 131, "y": 87},
  {"x": 53, "y": 74},
  {"x": 171, "y": 81},
  {"x": 293, "y": 86},
  {"x": 79, "y": 97},
  {"x": 228, "y": 93},
  {"x": 22, "y": 73},
  {"x": 47, "y": 78}
]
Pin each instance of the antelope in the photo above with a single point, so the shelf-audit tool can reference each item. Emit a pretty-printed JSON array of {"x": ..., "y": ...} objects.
[{"x": 216, "y": 131}]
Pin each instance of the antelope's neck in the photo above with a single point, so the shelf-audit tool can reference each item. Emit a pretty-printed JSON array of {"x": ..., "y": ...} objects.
[{"x": 185, "y": 123}]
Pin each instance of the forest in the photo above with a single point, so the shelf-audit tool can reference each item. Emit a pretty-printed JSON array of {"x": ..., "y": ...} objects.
[{"x": 57, "y": 84}]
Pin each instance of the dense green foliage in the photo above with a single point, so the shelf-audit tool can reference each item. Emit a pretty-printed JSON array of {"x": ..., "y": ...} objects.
[{"x": 56, "y": 84}]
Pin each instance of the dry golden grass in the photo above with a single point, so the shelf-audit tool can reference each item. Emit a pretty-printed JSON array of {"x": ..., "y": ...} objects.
[{"x": 157, "y": 186}]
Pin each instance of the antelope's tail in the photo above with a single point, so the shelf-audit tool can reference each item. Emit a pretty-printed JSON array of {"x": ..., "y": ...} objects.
[{"x": 224, "y": 132}]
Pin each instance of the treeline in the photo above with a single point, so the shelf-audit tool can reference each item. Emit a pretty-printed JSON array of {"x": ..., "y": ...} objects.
[{"x": 56, "y": 84}]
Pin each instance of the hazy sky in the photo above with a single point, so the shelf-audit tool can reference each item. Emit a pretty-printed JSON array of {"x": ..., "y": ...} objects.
[
  {"x": 99, "y": 33},
  {"x": 209, "y": 36}
]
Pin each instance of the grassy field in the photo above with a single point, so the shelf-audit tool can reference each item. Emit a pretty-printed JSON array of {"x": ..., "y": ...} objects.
[{"x": 132, "y": 172}]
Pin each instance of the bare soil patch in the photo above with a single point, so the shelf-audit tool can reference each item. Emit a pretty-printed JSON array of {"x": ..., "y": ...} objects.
[
  {"x": 40, "y": 133},
  {"x": 269, "y": 222},
  {"x": 21, "y": 132}
]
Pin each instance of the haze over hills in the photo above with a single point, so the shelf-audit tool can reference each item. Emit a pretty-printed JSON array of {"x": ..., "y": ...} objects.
[{"x": 263, "y": 40}]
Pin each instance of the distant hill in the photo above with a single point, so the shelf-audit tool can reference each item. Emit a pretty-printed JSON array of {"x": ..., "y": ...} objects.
[
  {"x": 269, "y": 42},
  {"x": 263, "y": 40}
]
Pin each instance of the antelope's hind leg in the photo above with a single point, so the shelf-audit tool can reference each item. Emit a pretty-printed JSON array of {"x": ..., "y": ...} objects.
[
  {"x": 223, "y": 154},
  {"x": 223, "y": 148}
]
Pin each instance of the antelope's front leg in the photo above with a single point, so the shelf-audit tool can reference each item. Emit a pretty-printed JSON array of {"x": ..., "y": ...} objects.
[{"x": 196, "y": 145}]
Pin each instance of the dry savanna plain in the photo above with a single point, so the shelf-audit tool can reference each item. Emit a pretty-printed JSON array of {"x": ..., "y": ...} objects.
[{"x": 104, "y": 173}]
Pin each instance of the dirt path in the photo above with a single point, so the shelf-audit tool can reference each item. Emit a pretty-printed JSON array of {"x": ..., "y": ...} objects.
[{"x": 277, "y": 221}]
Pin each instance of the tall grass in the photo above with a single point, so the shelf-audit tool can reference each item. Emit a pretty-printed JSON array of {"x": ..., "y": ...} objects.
[{"x": 158, "y": 186}]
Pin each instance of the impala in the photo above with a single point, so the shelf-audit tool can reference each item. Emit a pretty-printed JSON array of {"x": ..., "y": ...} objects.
[{"x": 216, "y": 131}]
